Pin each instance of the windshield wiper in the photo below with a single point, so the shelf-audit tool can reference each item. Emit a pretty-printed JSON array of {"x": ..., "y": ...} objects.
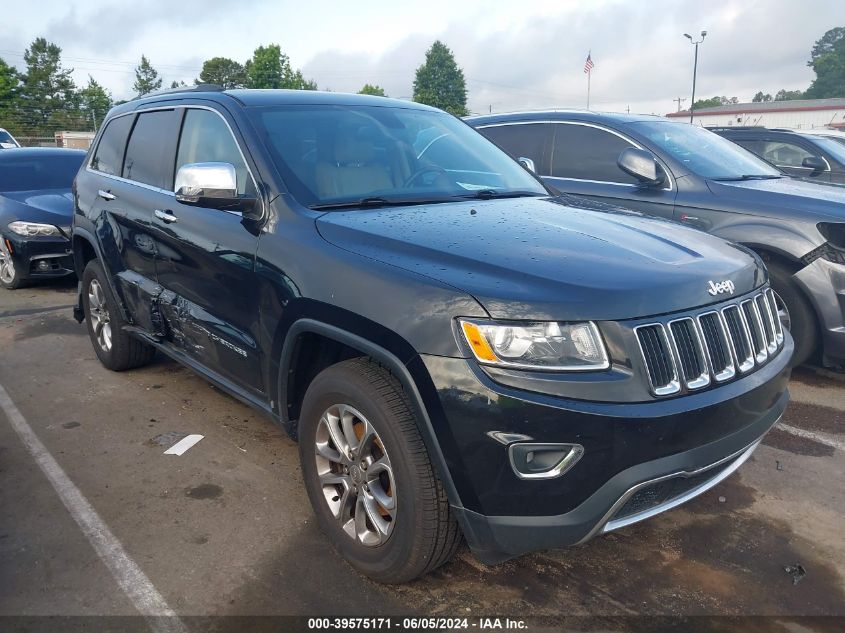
[
  {"x": 488, "y": 194},
  {"x": 378, "y": 201},
  {"x": 749, "y": 177}
]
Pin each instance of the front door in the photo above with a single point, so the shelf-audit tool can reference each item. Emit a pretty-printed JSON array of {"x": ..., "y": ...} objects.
[{"x": 206, "y": 262}]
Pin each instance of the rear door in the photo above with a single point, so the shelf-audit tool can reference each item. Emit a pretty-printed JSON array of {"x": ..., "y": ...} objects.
[
  {"x": 121, "y": 212},
  {"x": 206, "y": 260},
  {"x": 584, "y": 161}
]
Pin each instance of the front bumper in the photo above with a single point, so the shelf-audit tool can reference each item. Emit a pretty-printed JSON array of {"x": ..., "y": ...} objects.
[
  {"x": 639, "y": 459},
  {"x": 824, "y": 284},
  {"x": 40, "y": 257}
]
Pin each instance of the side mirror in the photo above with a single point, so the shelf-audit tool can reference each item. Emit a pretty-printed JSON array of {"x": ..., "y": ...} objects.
[
  {"x": 642, "y": 165},
  {"x": 816, "y": 164},
  {"x": 527, "y": 163},
  {"x": 211, "y": 185}
]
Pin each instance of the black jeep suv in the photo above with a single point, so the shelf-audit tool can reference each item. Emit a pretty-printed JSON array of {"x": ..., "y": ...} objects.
[{"x": 457, "y": 351}]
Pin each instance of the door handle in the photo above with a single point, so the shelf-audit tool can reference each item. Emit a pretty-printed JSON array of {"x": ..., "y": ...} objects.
[
  {"x": 165, "y": 216},
  {"x": 106, "y": 195}
]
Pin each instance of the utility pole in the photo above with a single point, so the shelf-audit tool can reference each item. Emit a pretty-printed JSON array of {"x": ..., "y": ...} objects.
[
  {"x": 694, "y": 69},
  {"x": 679, "y": 101}
]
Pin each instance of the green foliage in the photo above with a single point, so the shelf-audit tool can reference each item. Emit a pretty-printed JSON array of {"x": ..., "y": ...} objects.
[
  {"x": 9, "y": 84},
  {"x": 827, "y": 59},
  {"x": 47, "y": 99},
  {"x": 789, "y": 95},
  {"x": 715, "y": 101},
  {"x": 94, "y": 102},
  {"x": 270, "y": 68},
  {"x": 760, "y": 97},
  {"x": 224, "y": 72},
  {"x": 146, "y": 78},
  {"x": 374, "y": 90},
  {"x": 440, "y": 82}
]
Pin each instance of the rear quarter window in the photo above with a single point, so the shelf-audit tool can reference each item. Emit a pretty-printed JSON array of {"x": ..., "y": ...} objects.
[{"x": 108, "y": 158}]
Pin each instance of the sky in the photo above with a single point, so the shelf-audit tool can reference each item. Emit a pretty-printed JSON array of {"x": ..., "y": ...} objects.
[{"x": 515, "y": 55}]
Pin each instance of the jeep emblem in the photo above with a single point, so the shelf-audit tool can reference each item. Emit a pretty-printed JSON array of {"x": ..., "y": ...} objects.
[{"x": 721, "y": 287}]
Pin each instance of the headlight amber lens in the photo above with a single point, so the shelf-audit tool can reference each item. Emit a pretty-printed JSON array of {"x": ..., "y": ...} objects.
[{"x": 552, "y": 346}]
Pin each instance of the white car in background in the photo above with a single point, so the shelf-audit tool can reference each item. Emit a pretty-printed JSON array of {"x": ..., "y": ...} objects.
[{"x": 7, "y": 141}]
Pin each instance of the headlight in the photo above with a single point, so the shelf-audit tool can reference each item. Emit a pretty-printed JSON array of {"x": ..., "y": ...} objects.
[
  {"x": 550, "y": 346},
  {"x": 33, "y": 229}
]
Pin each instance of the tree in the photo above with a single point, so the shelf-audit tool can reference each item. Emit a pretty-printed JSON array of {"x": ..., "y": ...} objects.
[
  {"x": 224, "y": 72},
  {"x": 146, "y": 78},
  {"x": 827, "y": 59},
  {"x": 178, "y": 84},
  {"x": 9, "y": 83},
  {"x": 375, "y": 90},
  {"x": 789, "y": 95},
  {"x": 47, "y": 96},
  {"x": 714, "y": 102},
  {"x": 94, "y": 102},
  {"x": 760, "y": 97},
  {"x": 439, "y": 82},
  {"x": 270, "y": 68}
]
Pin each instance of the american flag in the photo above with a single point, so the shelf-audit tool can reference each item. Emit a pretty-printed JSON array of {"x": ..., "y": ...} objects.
[{"x": 588, "y": 65}]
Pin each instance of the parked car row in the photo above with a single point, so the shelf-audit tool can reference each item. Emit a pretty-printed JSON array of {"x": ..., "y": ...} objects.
[
  {"x": 461, "y": 350},
  {"x": 683, "y": 172}
]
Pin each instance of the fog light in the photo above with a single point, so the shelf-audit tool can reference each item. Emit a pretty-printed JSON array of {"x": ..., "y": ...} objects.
[
  {"x": 543, "y": 461},
  {"x": 43, "y": 265}
]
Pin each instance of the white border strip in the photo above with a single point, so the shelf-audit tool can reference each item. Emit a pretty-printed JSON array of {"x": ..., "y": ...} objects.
[
  {"x": 821, "y": 439},
  {"x": 134, "y": 583},
  {"x": 180, "y": 447}
]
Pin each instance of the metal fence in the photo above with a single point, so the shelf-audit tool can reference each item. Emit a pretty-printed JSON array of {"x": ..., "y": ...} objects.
[{"x": 36, "y": 141}]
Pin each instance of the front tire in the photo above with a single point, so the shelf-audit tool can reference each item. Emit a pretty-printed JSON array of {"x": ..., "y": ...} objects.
[
  {"x": 796, "y": 313},
  {"x": 10, "y": 275},
  {"x": 117, "y": 349},
  {"x": 369, "y": 477}
]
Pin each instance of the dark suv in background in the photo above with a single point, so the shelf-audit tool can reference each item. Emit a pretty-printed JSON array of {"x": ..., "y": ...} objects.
[
  {"x": 457, "y": 351},
  {"x": 677, "y": 171},
  {"x": 815, "y": 157}
]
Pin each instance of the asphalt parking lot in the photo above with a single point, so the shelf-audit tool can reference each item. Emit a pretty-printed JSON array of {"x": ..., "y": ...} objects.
[{"x": 226, "y": 528}]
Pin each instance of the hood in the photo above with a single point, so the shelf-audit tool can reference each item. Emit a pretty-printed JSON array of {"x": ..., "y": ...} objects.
[
  {"x": 541, "y": 258},
  {"x": 785, "y": 197},
  {"x": 50, "y": 206}
]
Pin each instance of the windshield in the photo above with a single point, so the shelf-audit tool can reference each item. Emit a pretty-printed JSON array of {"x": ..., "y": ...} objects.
[
  {"x": 28, "y": 173},
  {"x": 330, "y": 155},
  {"x": 6, "y": 140},
  {"x": 832, "y": 147},
  {"x": 705, "y": 153}
]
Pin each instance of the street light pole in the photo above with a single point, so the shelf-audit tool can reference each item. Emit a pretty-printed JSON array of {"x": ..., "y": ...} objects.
[{"x": 694, "y": 69}]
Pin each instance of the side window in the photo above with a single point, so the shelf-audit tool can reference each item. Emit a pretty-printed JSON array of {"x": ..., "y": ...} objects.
[
  {"x": 108, "y": 158},
  {"x": 588, "y": 153},
  {"x": 149, "y": 155},
  {"x": 784, "y": 154},
  {"x": 206, "y": 139},
  {"x": 524, "y": 140}
]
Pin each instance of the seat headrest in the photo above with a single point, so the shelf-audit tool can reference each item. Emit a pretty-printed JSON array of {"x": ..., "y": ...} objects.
[{"x": 354, "y": 147}]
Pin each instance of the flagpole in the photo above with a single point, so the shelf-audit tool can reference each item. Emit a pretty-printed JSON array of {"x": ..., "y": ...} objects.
[{"x": 589, "y": 74}]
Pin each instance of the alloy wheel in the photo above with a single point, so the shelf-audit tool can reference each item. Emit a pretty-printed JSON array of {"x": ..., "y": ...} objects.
[
  {"x": 99, "y": 314},
  {"x": 355, "y": 475},
  {"x": 7, "y": 266}
]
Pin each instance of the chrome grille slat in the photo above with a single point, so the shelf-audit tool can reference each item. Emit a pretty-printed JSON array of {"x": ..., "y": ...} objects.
[
  {"x": 659, "y": 359},
  {"x": 715, "y": 346},
  {"x": 690, "y": 352}
]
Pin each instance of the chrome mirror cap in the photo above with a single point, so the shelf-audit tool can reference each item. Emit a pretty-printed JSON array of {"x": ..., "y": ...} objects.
[{"x": 206, "y": 180}]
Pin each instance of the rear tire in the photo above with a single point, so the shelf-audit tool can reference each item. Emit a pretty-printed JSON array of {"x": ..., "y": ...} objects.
[
  {"x": 418, "y": 532},
  {"x": 800, "y": 316},
  {"x": 117, "y": 349}
]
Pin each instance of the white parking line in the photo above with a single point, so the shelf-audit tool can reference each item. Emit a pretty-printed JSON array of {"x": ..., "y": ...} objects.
[
  {"x": 821, "y": 439},
  {"x": 135, "y": 584}
]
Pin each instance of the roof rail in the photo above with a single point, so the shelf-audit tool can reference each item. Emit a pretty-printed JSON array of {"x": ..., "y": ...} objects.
[
  {"x": 736, "y": 127},
  {"x": 196, "y": 88}
]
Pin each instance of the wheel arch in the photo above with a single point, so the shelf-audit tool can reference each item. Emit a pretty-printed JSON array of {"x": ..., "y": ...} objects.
[
  {"x": 345, "y": 344},
  {"x": 85, "y": 248}
]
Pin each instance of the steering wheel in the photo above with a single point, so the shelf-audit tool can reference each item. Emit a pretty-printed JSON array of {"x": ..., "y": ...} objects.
[{"x": 435, "y": 169}]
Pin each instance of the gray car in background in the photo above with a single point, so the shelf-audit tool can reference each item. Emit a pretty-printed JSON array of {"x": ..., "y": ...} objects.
[{"x": 678, "y": 171}]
